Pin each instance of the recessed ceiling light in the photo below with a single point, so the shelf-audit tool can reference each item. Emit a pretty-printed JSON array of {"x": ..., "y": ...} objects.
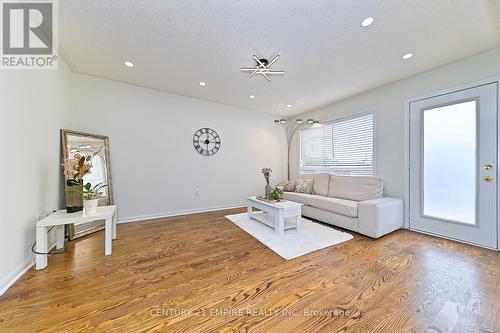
[
  {"x": 252, "y": 96},
  {"x": 407, "y": 56},
  {"x": 203, "y": 83},
  {"x": 367, "y": 22},
  {"x": 129, "y": 64},
  {"x": 289, "y": 106}
]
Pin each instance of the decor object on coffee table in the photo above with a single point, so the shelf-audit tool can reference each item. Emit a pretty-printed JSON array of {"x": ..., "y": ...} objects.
[
  {"x": 277, "y": 192},
  {"x": 268, "y": 189},
  {"x": 290, "y": 133}
]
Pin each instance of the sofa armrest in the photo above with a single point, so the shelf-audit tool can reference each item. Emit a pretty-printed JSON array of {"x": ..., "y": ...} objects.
[{"x": 380, "y": 216}]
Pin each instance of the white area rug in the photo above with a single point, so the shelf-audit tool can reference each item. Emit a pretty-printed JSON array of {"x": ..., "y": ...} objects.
[{"x": 312, "y": 237}]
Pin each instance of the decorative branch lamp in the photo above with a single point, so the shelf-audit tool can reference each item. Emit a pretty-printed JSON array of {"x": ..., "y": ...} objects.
[{"x": 290, "y": 133}]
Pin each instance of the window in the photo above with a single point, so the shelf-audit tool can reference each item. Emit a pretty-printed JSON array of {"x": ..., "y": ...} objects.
[{"x": 343, "y": 147}]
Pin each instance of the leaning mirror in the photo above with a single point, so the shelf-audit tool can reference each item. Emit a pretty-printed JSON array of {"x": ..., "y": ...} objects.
[{"x": 97, "y": 147}]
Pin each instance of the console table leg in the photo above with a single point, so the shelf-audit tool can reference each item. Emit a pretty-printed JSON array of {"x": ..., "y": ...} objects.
[
  {"x": 115, "y": 218},
  {"x": 60, "y": 237},
  {"x": 41, "y": 246},
  {"x": 108, "y": 237}
]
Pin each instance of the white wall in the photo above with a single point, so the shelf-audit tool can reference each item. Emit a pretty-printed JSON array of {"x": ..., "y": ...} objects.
[
  {"x": 388, "y": 104},
  {"x": 35, "y": 104},
  {"x": 154, "y": 165}
]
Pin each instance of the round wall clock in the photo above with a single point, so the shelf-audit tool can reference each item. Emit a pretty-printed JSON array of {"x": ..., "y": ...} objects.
[{"x": 206, "y": 141}]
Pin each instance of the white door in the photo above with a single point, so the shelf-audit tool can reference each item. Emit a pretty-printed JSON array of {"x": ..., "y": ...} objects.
[{"x": 453, "y": 171}]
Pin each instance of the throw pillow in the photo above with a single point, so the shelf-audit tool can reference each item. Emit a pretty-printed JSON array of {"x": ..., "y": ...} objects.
[
  {"x": 289, "y": 186},
  {"x": 304, "y": 185}
]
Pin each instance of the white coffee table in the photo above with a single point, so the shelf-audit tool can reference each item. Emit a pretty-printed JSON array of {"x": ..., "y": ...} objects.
[
  {"x": 61, "y": 218},
  {"x": 274, "y": 214}
]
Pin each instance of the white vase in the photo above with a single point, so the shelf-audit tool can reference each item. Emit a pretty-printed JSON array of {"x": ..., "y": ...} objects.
[{"x": 90, "y": 206}]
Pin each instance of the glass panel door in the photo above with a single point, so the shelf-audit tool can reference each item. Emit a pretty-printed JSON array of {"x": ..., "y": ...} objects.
[
  {"x": 449, "y": 170},
  {"x": 453, "y": 154}
]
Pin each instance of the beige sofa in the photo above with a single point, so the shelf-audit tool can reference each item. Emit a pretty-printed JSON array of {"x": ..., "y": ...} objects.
[{"x": 355, "y": 203}]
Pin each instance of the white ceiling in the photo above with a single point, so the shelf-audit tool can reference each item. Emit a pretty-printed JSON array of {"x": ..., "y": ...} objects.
[{"x": 325, "y": 52}]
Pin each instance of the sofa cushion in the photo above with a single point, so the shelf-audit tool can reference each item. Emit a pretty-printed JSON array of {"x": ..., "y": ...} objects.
[
  {"x": 302, "y": 198},
  {"x": 357, "y": 188},
  {"x": 340, "y": 206},
  {"x": 289, "y": 186},
  {"x": 321, "y": 183},
  {"x": 304, "y": 185}
]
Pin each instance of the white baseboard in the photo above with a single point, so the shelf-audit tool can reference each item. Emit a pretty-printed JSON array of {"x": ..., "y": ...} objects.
[
  {"x": 17, "y": 272},
  {"x": 176, "y": 213}
]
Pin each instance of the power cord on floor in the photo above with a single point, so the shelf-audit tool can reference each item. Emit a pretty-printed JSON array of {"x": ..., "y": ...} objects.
[{"x": 46, "y": 253}]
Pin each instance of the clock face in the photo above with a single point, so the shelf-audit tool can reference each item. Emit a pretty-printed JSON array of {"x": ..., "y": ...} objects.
[{"x": 206, "y": 141}]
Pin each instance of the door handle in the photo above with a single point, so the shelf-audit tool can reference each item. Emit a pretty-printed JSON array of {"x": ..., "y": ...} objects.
[
  {"x": 488, "y": 167},
  {"x": 488, "y": 179}
]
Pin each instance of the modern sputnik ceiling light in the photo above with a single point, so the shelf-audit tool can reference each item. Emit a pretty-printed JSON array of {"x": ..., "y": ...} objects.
[{"x": 262, "y": 67}]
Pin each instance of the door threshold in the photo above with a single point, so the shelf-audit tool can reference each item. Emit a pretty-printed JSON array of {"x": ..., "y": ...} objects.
[{"x": 453, "y": 239}]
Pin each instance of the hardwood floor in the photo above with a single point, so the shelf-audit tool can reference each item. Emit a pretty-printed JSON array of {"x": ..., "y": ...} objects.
[{"x": 201, "y": 273}]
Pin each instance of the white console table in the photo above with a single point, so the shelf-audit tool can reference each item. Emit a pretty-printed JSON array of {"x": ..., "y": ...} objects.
[{"x": 60, "y": 218}]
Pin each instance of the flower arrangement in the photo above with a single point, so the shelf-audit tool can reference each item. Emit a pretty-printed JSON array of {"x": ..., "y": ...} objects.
[
  {"x": 267, "y": 189},
  {"x": 77, "y": 166},
  {"x": 271, "y": 193},
  {"x": 267, "y": 174}
]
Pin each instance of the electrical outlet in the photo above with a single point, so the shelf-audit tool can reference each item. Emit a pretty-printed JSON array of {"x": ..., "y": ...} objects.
[{"x": 196, "y": 193}]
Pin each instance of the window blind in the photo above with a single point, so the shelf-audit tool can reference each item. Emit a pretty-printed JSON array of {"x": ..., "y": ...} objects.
[{"x": 343, "y": 147}]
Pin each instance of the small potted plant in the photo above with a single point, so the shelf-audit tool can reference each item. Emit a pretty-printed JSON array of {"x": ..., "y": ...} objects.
[
  {"x": 277, "y": 192},
  {"x": 91, "y": 196}
]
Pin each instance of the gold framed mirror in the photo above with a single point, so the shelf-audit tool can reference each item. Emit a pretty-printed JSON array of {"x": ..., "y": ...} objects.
[{"x": 74, "y": 142}]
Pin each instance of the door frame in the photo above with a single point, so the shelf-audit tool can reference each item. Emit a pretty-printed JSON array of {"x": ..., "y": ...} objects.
[{"x": 406, "y": 180}]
